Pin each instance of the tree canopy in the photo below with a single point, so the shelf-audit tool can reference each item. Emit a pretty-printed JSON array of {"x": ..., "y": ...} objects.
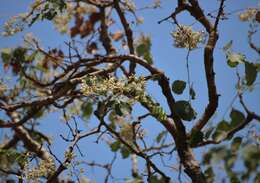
[{"x": 135, "y": 91}]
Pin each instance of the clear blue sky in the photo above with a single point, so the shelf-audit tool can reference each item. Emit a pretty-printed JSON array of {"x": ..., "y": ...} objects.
[{"x": 166, "y": 57}]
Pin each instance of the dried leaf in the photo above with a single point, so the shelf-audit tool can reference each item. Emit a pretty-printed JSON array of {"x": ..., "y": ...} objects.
[
  {"x": 117, "y": 35},
  {"x": 92, "y": 48}
]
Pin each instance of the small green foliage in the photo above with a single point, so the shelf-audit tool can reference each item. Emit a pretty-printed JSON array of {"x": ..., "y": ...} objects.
[
  {"x": 221, "y": 131},
  {"x": 178, "y": 86},
  {"x": 86, "y": 110},
  {"x": 6, "y": 54},
  {"x": 184, "y": 110},
  {"x": 209, "y": 174},
  {"x": 123, "y": 108},
  {"x": 208, "y": 132},
  {"x": 156, "y": 179},
  {"x": 143, "y": 48},
  {"x": 125, "y": 152},
  {"x": 196, "y": 137},
  {"x": 236, "y": 144},
  {"x": 11, "y": 156},
  {"x": 159, "y": 112},
  {"x": 48, "y": 11},
  {"x": 115, "y": 146},
  {"x": 237, "y": 117},
  {"x": 160, "y": 136}
]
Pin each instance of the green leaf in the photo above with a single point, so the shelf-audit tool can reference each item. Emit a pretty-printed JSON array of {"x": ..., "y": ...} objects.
[
  {"x": 87, "y": 109},
  {"x": 148, "y": 57},
  {"x": 115, "y": 146},
  {"x": 157, "y": 179},
  {"x": 257, "y": 178},
  {"x": 184, "y": 110},
  {"x": 221, "y": 131},
  {"x": 236, "y": 144},
  {"x": 223, "y": 126},
  {"x": 143, "y": 48},
  {"x": 228, "y": 45},
  {"x": 233, "y": 59},
  {"x": 257, "y": 67},
  {"x": 208, "y": 132},
  {"x": 123, "y": 108},
  {"x": 125, "y": 152},
  {"x": 196, "y": 137},
  {"x": 251, "y": 73},
  {"x": 160, "y": 136},
  {"x": 209, "y": 174},
  {"x": 178, "y": 86},
  {"x": 6, "y": 54},
  {"x": 207, "y": 158},
  {"x": 237, "y": 117},
  {"x": 192, "y": 93},
  {"x": 118, "y": 110}
]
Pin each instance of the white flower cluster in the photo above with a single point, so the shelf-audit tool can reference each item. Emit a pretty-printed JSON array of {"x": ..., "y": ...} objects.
[
  {"x": 95, "y": 86},
  {"x": 185, "y": 37},
  {"x": 14, "y": 25},
  {"x": 247, "y": 15},
  {"x": 45, "y": 168}
]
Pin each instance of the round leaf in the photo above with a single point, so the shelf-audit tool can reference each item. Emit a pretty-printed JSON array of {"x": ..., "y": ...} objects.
[
  {"x": 184, "y": 110},
  {"x": 178, "y": 86}
]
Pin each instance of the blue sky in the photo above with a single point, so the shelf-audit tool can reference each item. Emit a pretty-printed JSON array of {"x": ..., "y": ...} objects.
[{"x": 167, "y": 58}]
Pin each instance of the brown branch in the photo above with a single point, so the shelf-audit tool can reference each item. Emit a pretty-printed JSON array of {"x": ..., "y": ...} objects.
[
  {"x": 104, "y": 36},
  {"x": 128, "y": 33},
  {"x": 197, "y": 13},
  {"x": 230, "y": 133},
  {"x": 32, "y": 112},
  {"x": 100, "y": 115},
  {"x": 251, "y": 44},
  {"x": 63, "y": 166},
  {"x": 11, "y": 143}
]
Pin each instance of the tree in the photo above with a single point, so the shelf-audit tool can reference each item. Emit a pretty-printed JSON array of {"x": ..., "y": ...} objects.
[{"x": 98, "y": 83}]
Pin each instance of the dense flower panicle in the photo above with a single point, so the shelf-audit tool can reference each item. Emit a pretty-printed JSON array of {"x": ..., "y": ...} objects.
[
  {"x": 45, "y": 168},
  {"x": 185, "y": 37},
  {"x": 93, "y": 86}
]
